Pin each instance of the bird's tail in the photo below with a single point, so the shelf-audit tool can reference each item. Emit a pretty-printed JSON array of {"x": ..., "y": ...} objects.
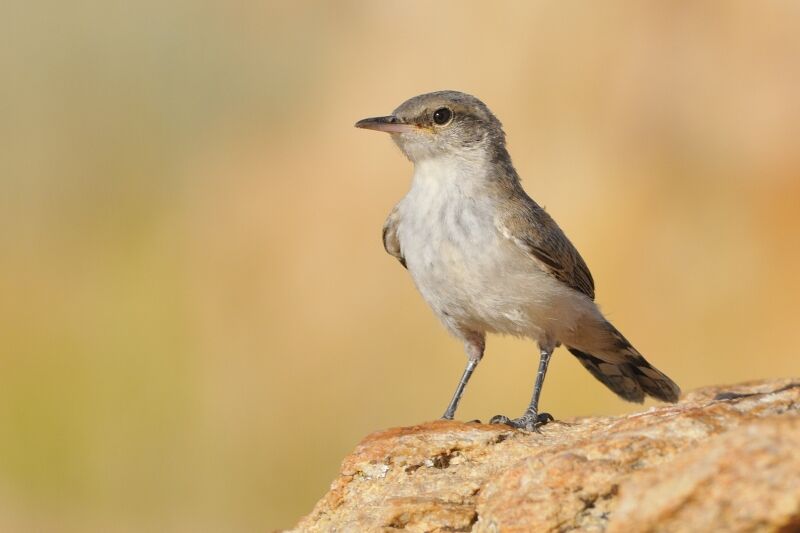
[{"x": 626, "y": 372}]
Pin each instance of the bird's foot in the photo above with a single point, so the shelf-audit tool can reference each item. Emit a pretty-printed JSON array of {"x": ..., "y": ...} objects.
[{"x": 528, "y": 421}]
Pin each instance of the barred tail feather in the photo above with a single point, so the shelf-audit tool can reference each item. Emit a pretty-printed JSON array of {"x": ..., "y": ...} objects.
[{"x": 631, "y": 378}]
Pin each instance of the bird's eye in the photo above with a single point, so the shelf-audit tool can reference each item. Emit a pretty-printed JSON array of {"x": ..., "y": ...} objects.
[{"x": 442, "y": 116}]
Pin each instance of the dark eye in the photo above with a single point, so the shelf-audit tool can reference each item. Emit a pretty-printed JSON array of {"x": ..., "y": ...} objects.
[{"x": 442, "y": 116}]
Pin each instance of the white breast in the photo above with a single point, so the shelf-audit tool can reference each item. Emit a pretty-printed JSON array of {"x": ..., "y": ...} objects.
[
  {"x": 472, "y": 276},
  {"x": 444, "y": 227}
]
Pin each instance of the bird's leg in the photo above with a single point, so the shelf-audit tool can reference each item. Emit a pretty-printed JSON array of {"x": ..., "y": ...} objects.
[
  {"x": 532, "y": 419},
  {"x": 474, "y": 346},
  {"x": 451, "y": 409}
]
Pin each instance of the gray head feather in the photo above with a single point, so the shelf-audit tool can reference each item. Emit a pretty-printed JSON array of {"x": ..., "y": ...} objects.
[{"x": 471, "y": 126}]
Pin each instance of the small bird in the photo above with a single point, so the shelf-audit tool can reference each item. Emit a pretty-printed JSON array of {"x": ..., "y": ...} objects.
[{"x": 488, "y": 259}]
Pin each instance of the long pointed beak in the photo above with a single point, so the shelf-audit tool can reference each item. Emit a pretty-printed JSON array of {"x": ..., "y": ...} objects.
[{"x": 390, "y": 124}]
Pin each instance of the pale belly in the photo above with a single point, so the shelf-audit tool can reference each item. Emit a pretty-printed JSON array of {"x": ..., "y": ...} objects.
[{"x": 474, "y": 278}]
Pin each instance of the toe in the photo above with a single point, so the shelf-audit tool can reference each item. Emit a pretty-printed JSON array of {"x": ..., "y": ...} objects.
[
  {"x": 528, "y": 423},
  {"x": 531, "y": 421}
]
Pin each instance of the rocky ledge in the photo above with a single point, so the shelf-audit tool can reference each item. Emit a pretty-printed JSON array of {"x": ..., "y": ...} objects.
[{"x": 722, "y": 459}]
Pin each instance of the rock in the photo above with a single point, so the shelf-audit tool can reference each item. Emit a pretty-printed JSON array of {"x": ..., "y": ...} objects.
[{"x": 722, "y": 459}]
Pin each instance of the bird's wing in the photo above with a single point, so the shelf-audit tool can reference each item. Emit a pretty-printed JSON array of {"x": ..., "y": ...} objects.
[
  {"x": 535, "y": 232},
  {"x": 390, "y": 241}
]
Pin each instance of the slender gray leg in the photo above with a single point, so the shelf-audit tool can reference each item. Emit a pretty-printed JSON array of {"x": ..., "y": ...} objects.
[
  {"x": 531, "y": 419},
  {"x": 544, "y": 360},
  {"x": 474, "y": 346},
  {"x": 451, "y": 409}
]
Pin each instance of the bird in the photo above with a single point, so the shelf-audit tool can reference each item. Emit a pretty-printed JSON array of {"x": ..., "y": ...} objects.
[{"x": 488, "y": 259}]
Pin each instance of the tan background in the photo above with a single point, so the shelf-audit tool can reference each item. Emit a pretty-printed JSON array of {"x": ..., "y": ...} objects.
[{"x": 197, "y": 318}]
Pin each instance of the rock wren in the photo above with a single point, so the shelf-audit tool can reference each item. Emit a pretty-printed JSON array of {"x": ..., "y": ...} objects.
[{"x": 488, "y": 259}]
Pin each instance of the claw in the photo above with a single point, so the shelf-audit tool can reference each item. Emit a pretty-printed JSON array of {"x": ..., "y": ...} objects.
[{"x": 528, "y": 421}]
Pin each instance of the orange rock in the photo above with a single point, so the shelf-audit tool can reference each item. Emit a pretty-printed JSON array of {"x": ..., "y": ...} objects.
[{"x": 699, "y": 465}]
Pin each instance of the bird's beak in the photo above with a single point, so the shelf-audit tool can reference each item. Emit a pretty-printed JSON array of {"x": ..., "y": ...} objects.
[{"x": 390, "y": 124}]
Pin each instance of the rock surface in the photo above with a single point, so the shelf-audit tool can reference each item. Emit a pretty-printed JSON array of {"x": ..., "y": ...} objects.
[{"x": 723, "y": 459}]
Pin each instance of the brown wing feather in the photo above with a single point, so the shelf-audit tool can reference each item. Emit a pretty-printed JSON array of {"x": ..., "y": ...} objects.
[{"x": 533, "y": 230}]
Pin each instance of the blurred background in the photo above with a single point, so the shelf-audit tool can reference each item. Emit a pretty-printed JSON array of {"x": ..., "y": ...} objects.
[{"x": 197, "y": 317}]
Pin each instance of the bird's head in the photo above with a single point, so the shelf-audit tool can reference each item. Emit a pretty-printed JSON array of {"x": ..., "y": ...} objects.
[{"x": 443, "y": 123}]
